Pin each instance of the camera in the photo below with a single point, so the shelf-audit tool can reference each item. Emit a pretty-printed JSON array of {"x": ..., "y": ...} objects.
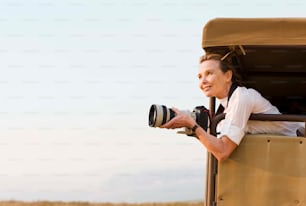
[{"x": 160, "y": 114}]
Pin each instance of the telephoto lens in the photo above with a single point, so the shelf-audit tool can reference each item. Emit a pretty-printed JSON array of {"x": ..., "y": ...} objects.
[{"x": 159, "y": 115}]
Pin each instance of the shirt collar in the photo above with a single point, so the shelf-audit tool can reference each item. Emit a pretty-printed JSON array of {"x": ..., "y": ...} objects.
[{"x": 223, "y": 102}]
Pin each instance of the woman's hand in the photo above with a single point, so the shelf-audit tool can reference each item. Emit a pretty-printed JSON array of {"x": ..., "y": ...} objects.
[{"x": 180, "y": 120}]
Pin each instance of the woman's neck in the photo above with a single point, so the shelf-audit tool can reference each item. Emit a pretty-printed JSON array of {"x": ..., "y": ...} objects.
[{"x": 226, "y": 91}]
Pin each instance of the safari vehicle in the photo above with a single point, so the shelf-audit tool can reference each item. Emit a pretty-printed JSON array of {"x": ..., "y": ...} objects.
[{"x": 264, "y": 170}]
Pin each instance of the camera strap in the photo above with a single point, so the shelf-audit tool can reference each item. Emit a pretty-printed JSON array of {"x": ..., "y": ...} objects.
[{"x": 220, "y": 109}]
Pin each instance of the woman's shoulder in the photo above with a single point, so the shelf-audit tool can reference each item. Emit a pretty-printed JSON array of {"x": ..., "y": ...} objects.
[
  {"x": 246, "y": 94},
  {"x": 241, "y": 90}
]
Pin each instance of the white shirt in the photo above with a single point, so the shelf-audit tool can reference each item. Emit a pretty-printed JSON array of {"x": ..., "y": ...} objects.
[{"x": 242, "y": 103}]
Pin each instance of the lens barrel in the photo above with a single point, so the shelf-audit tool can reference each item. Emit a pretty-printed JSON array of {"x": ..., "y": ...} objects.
[{"x": 159, "y": 115}]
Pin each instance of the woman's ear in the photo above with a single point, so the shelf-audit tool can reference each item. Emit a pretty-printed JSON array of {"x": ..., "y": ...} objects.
[{"x": 229, "y": 75}]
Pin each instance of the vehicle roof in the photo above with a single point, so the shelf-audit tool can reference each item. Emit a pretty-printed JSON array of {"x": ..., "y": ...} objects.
[
  {"x": 254, "y": 31},
  {"x": 269, "y": 54}
]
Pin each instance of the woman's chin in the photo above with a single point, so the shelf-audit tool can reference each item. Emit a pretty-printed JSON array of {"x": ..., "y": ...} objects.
[{"x": 208, "y": 94}]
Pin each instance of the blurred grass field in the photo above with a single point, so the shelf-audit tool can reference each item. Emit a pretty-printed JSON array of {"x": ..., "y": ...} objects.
[{"x": 45, "y": 203}]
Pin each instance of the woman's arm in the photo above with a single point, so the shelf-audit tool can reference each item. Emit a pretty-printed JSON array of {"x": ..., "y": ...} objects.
[{"x": 221, "y": 148}]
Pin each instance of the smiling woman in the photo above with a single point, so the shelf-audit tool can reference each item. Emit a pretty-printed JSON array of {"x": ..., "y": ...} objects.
[{"x": 218, "y": 78}]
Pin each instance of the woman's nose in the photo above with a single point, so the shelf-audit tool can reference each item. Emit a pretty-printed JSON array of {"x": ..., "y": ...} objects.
[{"x": 203, "y": 80}]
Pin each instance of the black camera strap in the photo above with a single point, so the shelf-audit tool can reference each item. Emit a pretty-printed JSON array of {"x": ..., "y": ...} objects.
[{"x": 220, "y": 109}]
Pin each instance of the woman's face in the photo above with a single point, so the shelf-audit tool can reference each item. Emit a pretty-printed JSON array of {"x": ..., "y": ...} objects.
[{"x": 212, "y": 81}]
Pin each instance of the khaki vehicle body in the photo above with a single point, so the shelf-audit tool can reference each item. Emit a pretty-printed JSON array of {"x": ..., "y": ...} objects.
[{"x": 265, "y": 170}]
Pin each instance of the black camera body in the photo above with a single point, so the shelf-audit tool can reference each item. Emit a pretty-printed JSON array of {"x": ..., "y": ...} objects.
[{"x": 160, "y": 114}]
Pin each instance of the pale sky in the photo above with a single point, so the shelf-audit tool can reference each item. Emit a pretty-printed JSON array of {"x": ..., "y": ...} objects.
[{"x": 77, "y": 80}]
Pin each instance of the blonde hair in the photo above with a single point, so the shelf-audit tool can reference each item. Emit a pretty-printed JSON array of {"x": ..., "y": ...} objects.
[{"x": 225, "y": 65}]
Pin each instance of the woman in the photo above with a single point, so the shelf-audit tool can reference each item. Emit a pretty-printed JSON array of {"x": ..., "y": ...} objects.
[{"x": 217, "y": 78}]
